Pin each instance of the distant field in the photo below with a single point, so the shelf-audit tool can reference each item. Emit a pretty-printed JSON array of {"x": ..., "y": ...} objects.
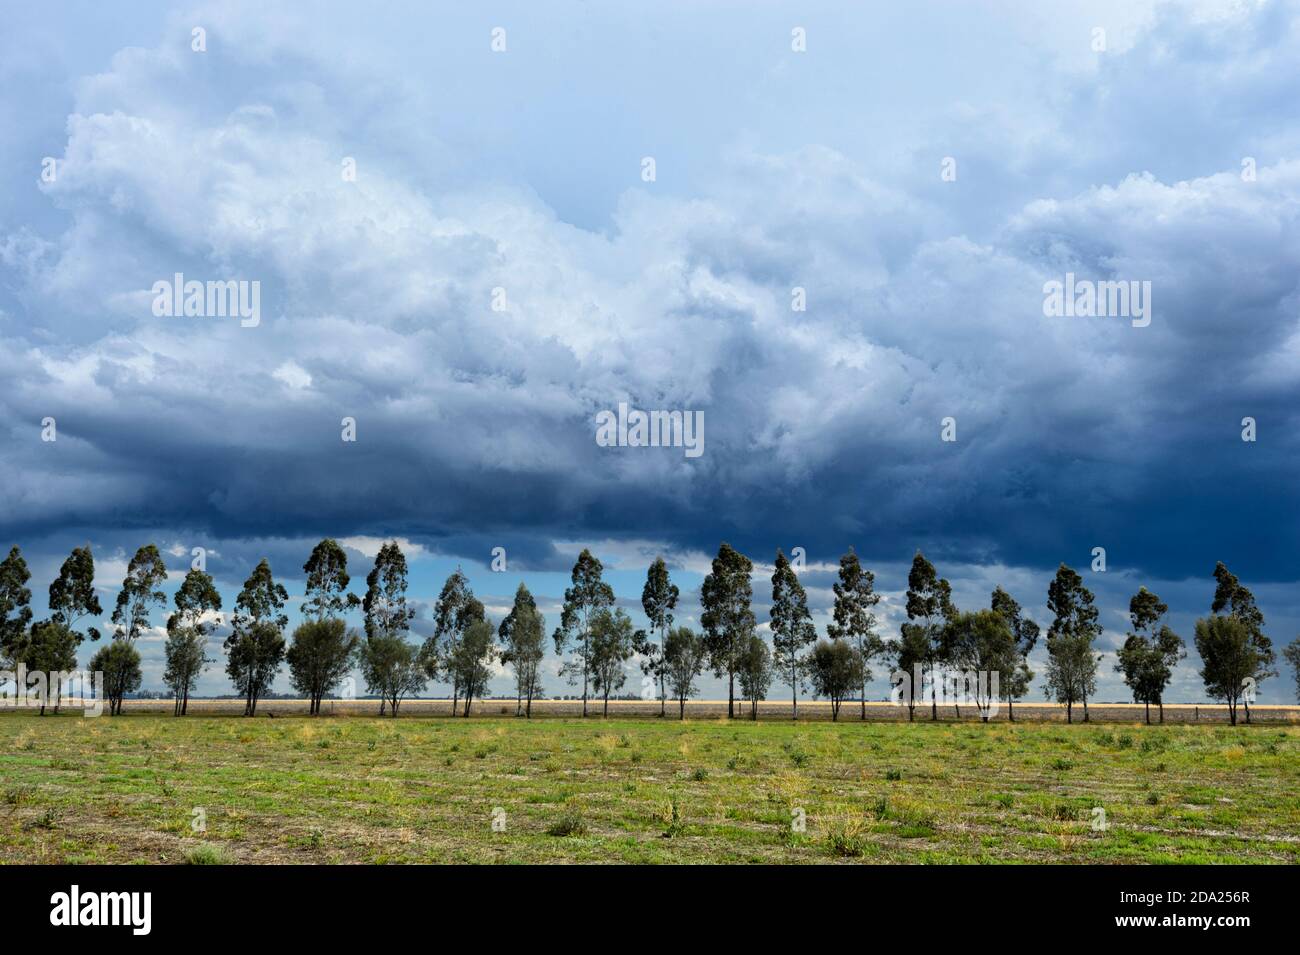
[{"x": 421, "y": 789}]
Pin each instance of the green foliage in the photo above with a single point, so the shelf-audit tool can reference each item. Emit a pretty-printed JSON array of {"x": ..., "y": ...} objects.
[
  {"x": 455, "y": 611},
  {"x": 385, "y": 607},
  {"x": 1072, "y": 664},
  {"x": 1230, "y": 657},
  {"x": 754, "y": 670},
  {"x": 474, "y": 654},
  {"x": 72, "y": 594},
  {"x": 196, "y": 600},
  {"x": 119, "y": 662},
  {"x": 144, "y": 575},
  {"x": 1150, "y": 651},
  {"x": 319, "y": 657},
  {"x": 612, "y": 644},
  {"x": 587, "y": 596},
  {"x": 570, "y": 824},
  {"x": 392, "y": 668},
  {"x": 1015, "y": 683},
  {"x": 658, "y": 600},
  {"x": 327, "y": 581},
  {"x": 684, "y": 656},
  {"x": 981, "y": 642},
  {"x": 255, "y": 647},
  {"x": 792, "y": 627},
  {"x": 727, "y": 618},
  {"x": 1292, "y": 654},
  {"x": 836, "y": 671},
  {"x": 15, "y": 609},
  {"x": 523, "y": 645},
  {"x": 929, "y": 601}
]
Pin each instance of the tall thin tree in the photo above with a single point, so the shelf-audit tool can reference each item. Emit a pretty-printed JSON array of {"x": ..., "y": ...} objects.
[
  {"x": 793, "y": 631},
  {"x": 855, "y": 595},
  {"x": 588, "y": 596},
  {"x": 728, "y": 619},
  {"x": 658, "y": 600}
]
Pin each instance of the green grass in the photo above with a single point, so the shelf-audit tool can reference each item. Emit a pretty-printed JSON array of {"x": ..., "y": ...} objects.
[{"x": 294, "y": 789}]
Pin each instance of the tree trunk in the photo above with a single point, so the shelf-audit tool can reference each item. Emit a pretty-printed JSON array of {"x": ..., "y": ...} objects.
[
  {"x": 1246, "y": 703},
  {"x": 681, "y": 709},
  {"x": 731, "y": 695},
  {"x": 1069, "y": 711},
  {"x": 1085, "y": 709},
  {"x": 1161, "y": 704},
  {"x": 1148, "y": 714},
  {"x": 1011, "y": 710}
]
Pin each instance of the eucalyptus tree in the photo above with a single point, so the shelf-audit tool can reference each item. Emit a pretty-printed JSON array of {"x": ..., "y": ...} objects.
[
  {"x": 456, "y": 610},
  {"x": 72, "y": 594},
  {"x": 911, "y": 655},
  {"x": 1292, "y": 654},
  {"x": 587, "y": 597},
  {"x": 836, "y": 671},
  {"x": 1232, "y": 596},
  {"x": 197, "y": 602},
  {"x": 387, "y": 617},
  {"x": 15, "y": 606},
  {"x": 140, "y": 591},
  {"x": 320, "y": 655},
  {"x": 727, "y": 617},
  {"x": 392, "y": 669},
  {"x": 978, "y": 645},
  {"x": 523, "y": 646},
  {"x": 255, "y": 647},
  {"x": 1071, "y": 661},
  {"x": 51, "y": 649},
  {"x": 755, "y": 672},
  {"x": 658, "y": 600},
  {"x": 929, "y": 600},
  {"x": 855, "y": 595},
  {"x": 612, "y": 644},
  {"x": 323, "y": 647},
  {"x": 1230, "y": 658},
  {"x": 327, "y": 582},
  {"x": 473, "y": 658},
  {"x": 119, "y": 662},
  {"x": 684, "y": 659},
  {"x": 1015, "y": 684},
  {"x": 792, "y": 628},
  {"x": 1150, "y": 652}
]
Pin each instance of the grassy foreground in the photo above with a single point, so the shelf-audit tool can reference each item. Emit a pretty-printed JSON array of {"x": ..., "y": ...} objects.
[{"x": 293, "y": 789}]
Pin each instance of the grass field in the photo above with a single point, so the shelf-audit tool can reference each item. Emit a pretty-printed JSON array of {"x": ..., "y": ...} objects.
[{"x": 357, "y": 789}]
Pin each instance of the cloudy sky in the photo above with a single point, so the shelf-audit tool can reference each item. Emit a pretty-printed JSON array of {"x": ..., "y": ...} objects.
[{"x": 1133, "y": 140}]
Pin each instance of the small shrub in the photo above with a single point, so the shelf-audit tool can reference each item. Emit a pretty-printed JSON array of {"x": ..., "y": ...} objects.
[
  {"x": 893, "y": 775},
  {"x": 205, "y": 853},
  {"x": 570, "y": 824}
]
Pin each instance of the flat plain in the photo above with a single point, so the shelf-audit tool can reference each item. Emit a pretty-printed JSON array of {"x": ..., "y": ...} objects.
[{"x": 150, "y": 788}]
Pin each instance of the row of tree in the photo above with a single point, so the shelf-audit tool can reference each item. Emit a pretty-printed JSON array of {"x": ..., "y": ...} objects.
[{"x": 600, "y": 639}]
